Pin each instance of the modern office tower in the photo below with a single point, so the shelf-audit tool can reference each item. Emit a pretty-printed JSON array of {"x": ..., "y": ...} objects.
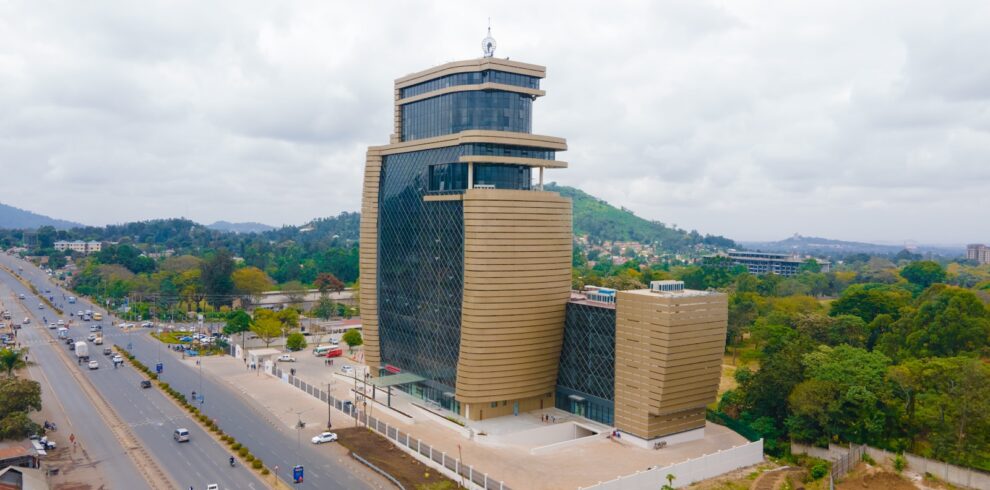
[
  {"x": 465, "y": 260},
  {"x": 646, "y": 361}
]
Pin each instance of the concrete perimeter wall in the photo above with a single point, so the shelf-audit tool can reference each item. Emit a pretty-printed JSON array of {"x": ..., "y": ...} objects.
[
  {"x": 690, "y": 471},
  {"x": 953, "y": 474}
]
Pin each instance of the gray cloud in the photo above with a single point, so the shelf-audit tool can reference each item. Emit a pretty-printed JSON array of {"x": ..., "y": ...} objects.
[{"x": 846, "y": 119}]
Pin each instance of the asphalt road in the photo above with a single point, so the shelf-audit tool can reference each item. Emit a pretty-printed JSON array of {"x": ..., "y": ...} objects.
[
  {"x": 84, "y": 420},
  {"x": 273, "y": 445},
  {"x": 151, "y": 416}
]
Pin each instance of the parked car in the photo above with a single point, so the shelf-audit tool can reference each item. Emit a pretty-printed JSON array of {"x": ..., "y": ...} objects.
[
  {"x": 181, "y": 435},
  {"x": 286, "y": 358},
  {"x": 94, "y": 365},
  {"x": 145, "y": 383},
  {"x": 324, "y": 437},
  {"x": 147, "y": 324},
  {"x": 348, "y": 370}
]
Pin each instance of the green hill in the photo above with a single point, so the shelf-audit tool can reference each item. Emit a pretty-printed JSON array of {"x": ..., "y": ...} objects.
[{"x": 603, "y": 222}]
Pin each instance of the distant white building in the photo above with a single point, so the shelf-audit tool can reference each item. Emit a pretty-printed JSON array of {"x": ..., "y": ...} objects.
[{"x": 79, "y": 246}]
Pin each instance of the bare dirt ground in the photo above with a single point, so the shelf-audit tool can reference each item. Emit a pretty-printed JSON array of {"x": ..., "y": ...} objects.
[
  {"x": 875, "y": 477},
  {"x": 383, "y": 454}
]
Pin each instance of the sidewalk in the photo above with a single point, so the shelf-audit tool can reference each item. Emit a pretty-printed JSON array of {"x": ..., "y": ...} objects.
[{"x": 504, "y": 454}]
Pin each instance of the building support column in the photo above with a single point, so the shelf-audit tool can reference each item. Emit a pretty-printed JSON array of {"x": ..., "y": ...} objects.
[{"x": 541, "y": 178}]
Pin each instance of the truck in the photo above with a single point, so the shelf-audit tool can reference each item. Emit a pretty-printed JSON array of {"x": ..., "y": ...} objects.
[{"x": 82, "y": 350}]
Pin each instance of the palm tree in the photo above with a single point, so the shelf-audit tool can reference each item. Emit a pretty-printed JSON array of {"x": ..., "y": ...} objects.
[{"x": 11, "y": 360}]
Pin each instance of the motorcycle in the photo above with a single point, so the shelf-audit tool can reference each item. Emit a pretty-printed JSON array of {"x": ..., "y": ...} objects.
[{"x": 231, "y": 461}]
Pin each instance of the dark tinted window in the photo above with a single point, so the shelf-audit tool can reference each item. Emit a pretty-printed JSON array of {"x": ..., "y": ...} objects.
[
  {"x": 459, "y": 111},
  {"x": 502, "y": 176},
  {"x": 472, "y": 78}
]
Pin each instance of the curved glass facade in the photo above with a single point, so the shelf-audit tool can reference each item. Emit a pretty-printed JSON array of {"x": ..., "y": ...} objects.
[
  {"x": 507, "y": 151},
  {"x": 420, "y": 272},
  {"x": 459, "y": 111},
  {"x": 472, "y": 78}
]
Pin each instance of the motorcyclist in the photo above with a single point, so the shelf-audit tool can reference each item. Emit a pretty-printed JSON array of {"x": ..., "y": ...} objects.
[{"x": 232, "y": 461}]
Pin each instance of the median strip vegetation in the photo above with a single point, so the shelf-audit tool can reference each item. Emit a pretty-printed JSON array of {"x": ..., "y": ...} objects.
[{"x": 209, "y": 424}]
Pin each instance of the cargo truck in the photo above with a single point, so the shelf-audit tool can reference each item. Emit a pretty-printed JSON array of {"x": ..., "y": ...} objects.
[{"x": 82, "y": 350}]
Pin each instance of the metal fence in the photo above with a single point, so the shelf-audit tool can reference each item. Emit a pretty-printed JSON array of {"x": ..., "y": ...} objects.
[{"x": 424, "y": 451}]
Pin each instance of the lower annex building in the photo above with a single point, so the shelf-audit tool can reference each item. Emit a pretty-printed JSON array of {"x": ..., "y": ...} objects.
[{"x": 466, "y": 272}]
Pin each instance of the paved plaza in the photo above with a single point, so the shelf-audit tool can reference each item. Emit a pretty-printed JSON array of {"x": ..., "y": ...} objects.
[{"x": 502, "y": 447}]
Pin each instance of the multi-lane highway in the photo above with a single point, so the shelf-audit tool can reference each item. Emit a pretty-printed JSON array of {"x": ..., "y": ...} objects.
[
  {"x": 154, "y": 418},
  {"x": 149, "y": 414}
]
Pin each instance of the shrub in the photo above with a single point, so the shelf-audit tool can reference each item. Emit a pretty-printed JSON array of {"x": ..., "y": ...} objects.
[
  {"x": 164, "y": 386},
  {"x": 243, "y": 451},
  {"x": 256, "y": 464},
  {"x": 819, "y": 469},
  {"x": 153, "y": 376},
  {"x": 900, "y": 463},
  {"x": 869, "y": 459},
  {"x": 264, "y": 471},
  {"x": 249, "y": 457},
  {"x": 236, "y": 446}
]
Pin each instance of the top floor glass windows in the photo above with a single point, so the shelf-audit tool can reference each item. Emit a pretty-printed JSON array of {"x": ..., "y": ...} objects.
[
  {"x": 507, "y": 151},
  {"x": 460, "y": 111},
  {"x": 472, "y": 78}
]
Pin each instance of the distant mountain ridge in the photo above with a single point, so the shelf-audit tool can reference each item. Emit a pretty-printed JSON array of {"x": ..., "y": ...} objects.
[
  {"x": 246, "y": 227},
  {"x": 16, "y": 218},
  {"x": 799, "y": 244}
]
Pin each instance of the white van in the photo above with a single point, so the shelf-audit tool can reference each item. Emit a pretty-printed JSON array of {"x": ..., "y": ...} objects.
[{"x": 181, "y": 435}]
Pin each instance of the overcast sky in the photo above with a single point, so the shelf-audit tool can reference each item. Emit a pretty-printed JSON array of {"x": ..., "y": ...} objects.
[{"x": 755, "y": 120}]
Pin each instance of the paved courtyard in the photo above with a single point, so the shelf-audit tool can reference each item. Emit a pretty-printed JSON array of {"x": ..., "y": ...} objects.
[{"x": 504, "y": 451}]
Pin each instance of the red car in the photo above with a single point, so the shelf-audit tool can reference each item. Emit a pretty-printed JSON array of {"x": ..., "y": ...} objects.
[{"x": 335, "y": 352}]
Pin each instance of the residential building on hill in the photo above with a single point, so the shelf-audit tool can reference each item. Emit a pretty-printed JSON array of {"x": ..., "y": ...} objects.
[
  {"x": 979, "y": 253},
  {"x": 79, "y": 246}
]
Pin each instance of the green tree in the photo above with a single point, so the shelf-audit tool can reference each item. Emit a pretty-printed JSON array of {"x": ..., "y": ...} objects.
[
  {"x": 19, "y": 395},
  {"x": 215, "y": 277},
  {"x": 324, "y": 308},
  {"x": 237, "y": 321},
  {"x": 353, "y": 339},
  {"x": 810, "y": 265},
  {"x": 11, "y": 360},
  {"x": 947, "y": 321},
  {"x": 289, "y": 318},
  {"x": 923, "y": 273},
  {"x": 295, "y": 341},
  {"x": 17, "y": 425},
  {"x": 267, "y": 329},
  {"x": 869, "y": 300}
]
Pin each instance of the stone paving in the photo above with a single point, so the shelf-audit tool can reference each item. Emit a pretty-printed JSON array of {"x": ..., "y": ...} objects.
[{"x": 505, "y": 454}]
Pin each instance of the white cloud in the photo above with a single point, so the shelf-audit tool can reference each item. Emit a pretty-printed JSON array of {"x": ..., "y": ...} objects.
[{"x": 751, "y": 119}]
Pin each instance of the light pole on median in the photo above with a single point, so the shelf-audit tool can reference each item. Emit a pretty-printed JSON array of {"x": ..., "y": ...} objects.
[{"x": 299, "y": 426}]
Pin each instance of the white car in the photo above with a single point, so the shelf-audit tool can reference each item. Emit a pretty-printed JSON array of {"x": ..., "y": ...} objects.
[
  {"x": 324, "y": 437},
  {"x": 286, "y": 358},
  {"x": 61, "y": 322},
  {"x": 91, "y": 337},
  {"x": 94, "y": 365},
  {"x": 347, "y": 370},
  {"x": 147, "y": 324},
  {"x": 117, "y": 358}
]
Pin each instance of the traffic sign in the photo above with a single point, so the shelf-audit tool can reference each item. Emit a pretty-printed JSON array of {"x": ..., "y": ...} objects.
[
  {"x": 297, "y": 473},
  {"x": 159, "y": 368}
]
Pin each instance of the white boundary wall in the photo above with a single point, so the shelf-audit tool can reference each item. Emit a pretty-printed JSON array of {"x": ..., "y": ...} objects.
[
  {"x": 953, "y": 474},
  {"x": 690, "y": 471}
]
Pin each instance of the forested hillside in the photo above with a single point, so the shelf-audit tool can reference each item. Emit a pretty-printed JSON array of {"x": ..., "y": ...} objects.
[{"x": 603, "y": 222}]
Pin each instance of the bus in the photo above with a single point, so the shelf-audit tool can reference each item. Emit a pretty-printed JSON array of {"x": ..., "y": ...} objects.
[
  {"x": 328, "y": 351},
  {"x": 97, "y": 316}
]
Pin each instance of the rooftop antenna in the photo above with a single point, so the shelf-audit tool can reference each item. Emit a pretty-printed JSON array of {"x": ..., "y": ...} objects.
[{"x": 488, "y": 43}]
